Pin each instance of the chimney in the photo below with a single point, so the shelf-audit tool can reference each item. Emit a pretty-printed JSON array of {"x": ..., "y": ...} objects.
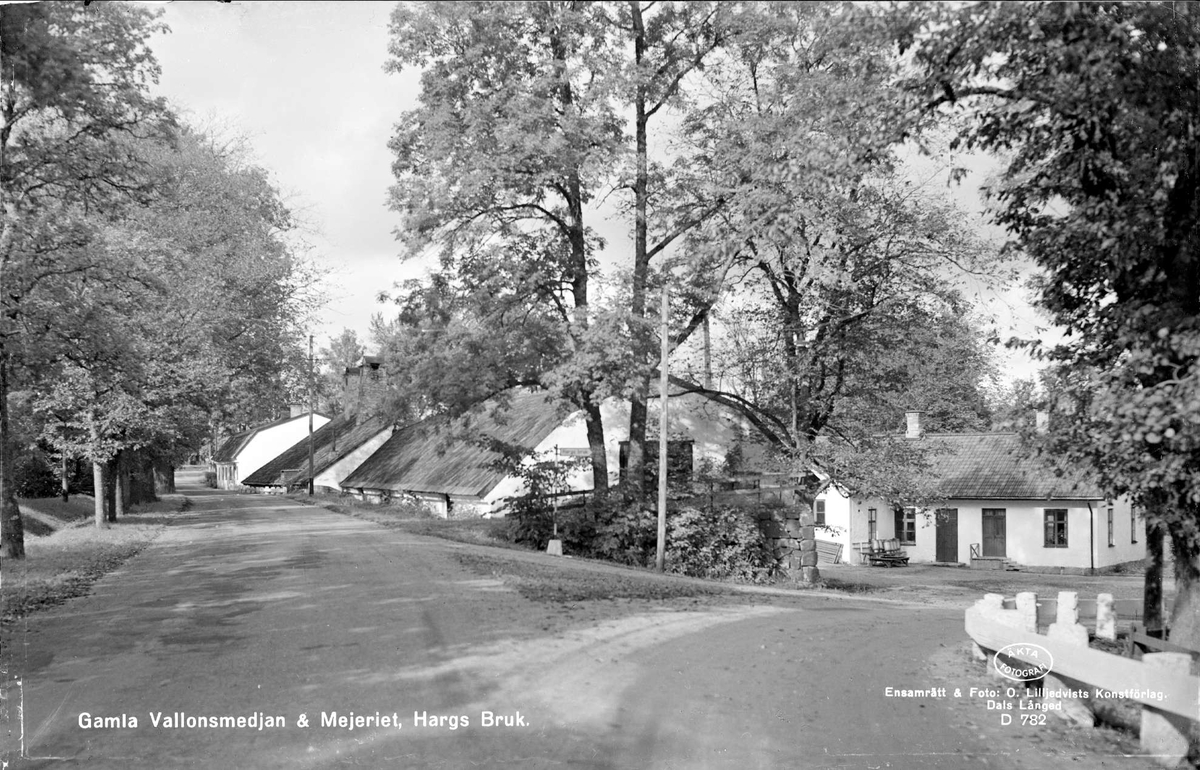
[
  {"x": 914, "y": 425},
  {"x": 295, "y": 410},
  {"x": 1042, "y": 421}
]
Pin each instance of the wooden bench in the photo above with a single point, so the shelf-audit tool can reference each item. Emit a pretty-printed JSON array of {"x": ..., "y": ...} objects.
[
  {"x": 883, "y": 553},
  {"x": 1141, "y": 641}
]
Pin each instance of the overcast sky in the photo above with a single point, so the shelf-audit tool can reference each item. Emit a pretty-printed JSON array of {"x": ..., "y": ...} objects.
[{"x": 305, "y": 83}]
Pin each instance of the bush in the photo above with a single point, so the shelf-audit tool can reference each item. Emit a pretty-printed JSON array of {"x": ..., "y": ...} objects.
[
  {"x": 210, "y": 479},
  {"x": 722, "y": 543},
  {"x": 33, "y": 477}
]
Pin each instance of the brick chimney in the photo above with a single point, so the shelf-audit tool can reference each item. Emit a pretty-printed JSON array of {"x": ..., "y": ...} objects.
[
  {"x": 914, "y": 425},
  {"x": 295, "y": 410},
  {"x": 1042, "y": 418},
  {"x": 360, "y": 383}
]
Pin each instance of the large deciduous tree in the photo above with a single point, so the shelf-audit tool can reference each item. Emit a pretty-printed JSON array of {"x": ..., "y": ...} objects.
[
  {"x": 1097, "y": 106},
  {"x": 514, "y": 135},
  {"x": 73, "y": 94}
]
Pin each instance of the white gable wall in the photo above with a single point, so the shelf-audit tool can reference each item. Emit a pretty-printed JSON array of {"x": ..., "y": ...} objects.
[
  {"x": 332, "y": 477},
  {"x": 269, "y": 443}
]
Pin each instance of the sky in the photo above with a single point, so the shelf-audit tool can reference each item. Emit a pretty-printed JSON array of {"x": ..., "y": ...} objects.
[{"x": 304, "y": 83}]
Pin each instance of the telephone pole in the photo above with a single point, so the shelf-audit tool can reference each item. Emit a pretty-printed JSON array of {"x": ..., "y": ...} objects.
[{"x": 311, "y": 407}]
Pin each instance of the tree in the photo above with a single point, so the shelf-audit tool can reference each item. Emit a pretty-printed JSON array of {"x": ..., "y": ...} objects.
[
  {"x": 515, "y": 133},
  {"x": 1097, "y": 106},
  {"x": 72, "y": 79},
  {"x": 342, "y": 352}
]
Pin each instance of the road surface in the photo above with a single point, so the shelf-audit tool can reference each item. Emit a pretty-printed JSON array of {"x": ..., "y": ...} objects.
[{"x": 339, "y": 643}]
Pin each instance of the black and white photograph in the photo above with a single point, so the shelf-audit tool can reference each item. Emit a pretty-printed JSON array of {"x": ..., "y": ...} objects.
[{"x": 599, "y": 384}]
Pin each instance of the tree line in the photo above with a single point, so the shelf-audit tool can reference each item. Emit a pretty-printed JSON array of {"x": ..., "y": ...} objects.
[
  {"x": 152, "y": 286},
  {"x": 747, "y": 155}
]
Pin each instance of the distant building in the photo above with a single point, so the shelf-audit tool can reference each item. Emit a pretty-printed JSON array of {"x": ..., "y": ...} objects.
[
  {"x": 244, "y": 453},
  {"x": 999, "y": 509}
]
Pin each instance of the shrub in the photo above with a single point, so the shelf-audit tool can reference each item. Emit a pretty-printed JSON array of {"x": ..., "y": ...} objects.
[
  {"x": 33, "y": 477},
  {"x": 723, "y": 543},
  {"x": 210, "y": 479}
]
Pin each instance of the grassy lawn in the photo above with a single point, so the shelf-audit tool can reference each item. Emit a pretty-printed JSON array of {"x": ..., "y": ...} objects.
[
  {"x": 551, "y": 583},
  {"x": 65, "y": 563},
  {"x": 417, "y": 520}
]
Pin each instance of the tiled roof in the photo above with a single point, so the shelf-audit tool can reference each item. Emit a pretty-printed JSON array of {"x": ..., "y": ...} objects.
[
  {"x": 990, "y": 466},
  {"x": 430, "y": 457},
  {"x": 331, "y": 442}
]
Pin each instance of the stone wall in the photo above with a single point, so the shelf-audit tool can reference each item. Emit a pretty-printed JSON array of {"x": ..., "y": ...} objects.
[{"x": 791, "y": 534}]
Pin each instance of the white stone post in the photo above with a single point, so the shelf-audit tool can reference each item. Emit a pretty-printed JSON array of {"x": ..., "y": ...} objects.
[
  {"x": 1106, "y": 617},
  {"x": 1165, "y": 736},
  {"x": 1066, "y": 628},
  {"x": 1027, "y": 607}
]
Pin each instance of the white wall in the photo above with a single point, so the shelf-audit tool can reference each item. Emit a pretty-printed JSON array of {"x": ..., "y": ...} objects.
[
  {"x": 1087, "y": 545},
  {"x": 269, "y": 443},
  {"x": 838, "y": 519},
  {"x": 333, "y": 476}
]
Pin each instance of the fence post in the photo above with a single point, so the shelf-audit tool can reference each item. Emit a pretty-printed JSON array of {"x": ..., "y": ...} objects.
[
  {"x": 1165, "y": 736},
  {"x": 1106, "y": 617},
  {"x": 993, "y": 606},
  {"x": 1027, "y": 606},
  {"x": 1066, "y": 628}
]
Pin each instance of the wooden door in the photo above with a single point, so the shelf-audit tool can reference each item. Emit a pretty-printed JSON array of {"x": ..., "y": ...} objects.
[
  {"x": 993, "y": 532},
  {"x": 947, "y": 535}
]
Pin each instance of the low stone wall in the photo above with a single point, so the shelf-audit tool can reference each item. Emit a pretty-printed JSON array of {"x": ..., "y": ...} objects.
[{"x": 791, "y": 535}]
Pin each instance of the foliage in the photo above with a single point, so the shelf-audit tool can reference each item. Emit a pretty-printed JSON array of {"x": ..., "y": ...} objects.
[
  {"x": 1096, "y": 107},
  {"x": 33, "y": 476},
  {"x": 496, "y": 167},
  {"x": 721, "y": 543}
]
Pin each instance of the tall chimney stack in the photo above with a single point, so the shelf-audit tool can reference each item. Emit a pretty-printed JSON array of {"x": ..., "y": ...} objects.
[
  {"x": 1043, "y": 421},
  {"x": 914, "y": 425}
]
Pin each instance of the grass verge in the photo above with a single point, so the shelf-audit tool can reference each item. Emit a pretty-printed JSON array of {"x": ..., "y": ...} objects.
[
  {"x": 549, "y": 583},
  {"x": 66, "y": 563},
  {"x": 418, "y": 520}
]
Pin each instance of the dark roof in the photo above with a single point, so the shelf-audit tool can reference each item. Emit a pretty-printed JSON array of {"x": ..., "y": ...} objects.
[
  {"x": 230, "y": 448},
  {"x": 992, "y": 466},
  {"x": 431, "y": 456},
  {"x": 331, "y": 442}
]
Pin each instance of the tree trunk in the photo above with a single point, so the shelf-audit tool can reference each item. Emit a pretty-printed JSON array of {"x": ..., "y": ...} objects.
[
  {"x": 120, "y": 485},
  {"x": 12, "y": 528},
  {"x": 636, "y": 468},
  {"x": 164, "y": 477},
  {"x": 1152, "y": 589},
  {"x": 66, "y": 478},
  {"x": 1185, "y": 613},
  {"x": 595, "y": 435},
  {"x": 100, "y": 484},
  {"x": 110, "y": 490}
]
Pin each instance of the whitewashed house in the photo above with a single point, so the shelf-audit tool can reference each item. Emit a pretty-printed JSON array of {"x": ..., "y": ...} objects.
[
  {"x": 999, "y": 509},
  {"x": 244, "y": 453}
]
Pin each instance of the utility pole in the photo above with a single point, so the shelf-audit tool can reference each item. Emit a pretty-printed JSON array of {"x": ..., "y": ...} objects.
[
  {"x": 661, "y": 558},
  {"x": 311, "y": 407}
]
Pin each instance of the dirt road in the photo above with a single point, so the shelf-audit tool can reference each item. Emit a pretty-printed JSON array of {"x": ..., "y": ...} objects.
[{"x": 340, "y": 643}]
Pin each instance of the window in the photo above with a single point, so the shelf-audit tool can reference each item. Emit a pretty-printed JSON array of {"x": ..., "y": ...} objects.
[
  {"x": 906, "y": 526},
  {"x": 1111, "y": 535},
  {"x": 1133, "y": 525},
  {"x": 871, "y": 523},
  {"x": 1056, "y": 528},
  {"x": 819, "y": 511}
]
